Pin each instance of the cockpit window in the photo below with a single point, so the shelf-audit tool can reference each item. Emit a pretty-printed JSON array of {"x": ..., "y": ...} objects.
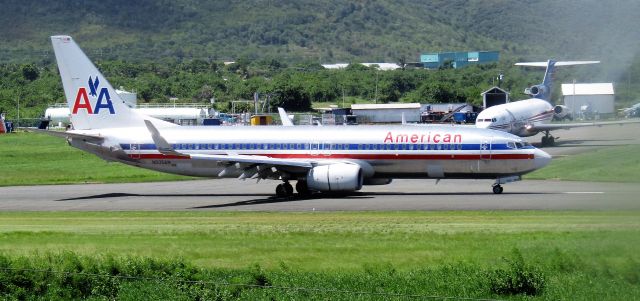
[
  {"x": 519, "y": 145},
  {"x": 493, "y": 120},
  {"x": 511, "y": 144}
]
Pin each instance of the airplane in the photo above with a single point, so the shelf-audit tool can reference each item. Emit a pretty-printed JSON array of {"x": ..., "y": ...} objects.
[
  {"x": 531, "y": 116},
  {"x": 319, "y": 159},
  {"x": 632, "y": 111}
]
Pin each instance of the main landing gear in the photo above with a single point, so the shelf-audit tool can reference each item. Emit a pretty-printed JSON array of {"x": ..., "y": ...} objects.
[
  {"x": 283, "y": 190},
  {"x": 547, "y": 139}
]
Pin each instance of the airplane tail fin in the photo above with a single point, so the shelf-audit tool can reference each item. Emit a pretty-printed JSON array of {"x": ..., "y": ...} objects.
[
  {"x": 543, "y": 90},
  {"x": 92, "y": 101}
]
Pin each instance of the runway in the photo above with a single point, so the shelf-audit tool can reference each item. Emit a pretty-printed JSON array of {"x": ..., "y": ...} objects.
[{"x": 232, "y": 194}]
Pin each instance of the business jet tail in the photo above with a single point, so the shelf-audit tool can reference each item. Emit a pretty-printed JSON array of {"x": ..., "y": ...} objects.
[{"x": 543, "y": 90}]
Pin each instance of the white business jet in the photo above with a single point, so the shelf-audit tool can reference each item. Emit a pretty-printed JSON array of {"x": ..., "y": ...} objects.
[{"x": 531, "y": 116}]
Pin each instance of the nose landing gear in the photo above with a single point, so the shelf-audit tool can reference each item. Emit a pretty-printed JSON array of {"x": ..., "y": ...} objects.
[{"x": 497, "y": 188}]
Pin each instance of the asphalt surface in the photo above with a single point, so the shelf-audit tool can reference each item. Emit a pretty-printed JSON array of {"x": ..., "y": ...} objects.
[{"x": 232, "y": 194}]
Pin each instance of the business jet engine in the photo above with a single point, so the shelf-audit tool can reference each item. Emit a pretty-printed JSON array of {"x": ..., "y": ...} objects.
[
  {"x": 561, "y": 112},
  {"x": 537, "y": 91},
  {"x": 335, "y": 177}
]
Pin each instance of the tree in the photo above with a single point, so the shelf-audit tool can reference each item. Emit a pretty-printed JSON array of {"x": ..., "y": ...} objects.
[{"x": 30, "y": 72}]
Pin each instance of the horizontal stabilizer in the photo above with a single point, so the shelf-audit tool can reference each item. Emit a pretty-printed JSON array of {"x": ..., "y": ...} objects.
[
  {"x": 559, "y": 63},
  {"x": 67, "y": 135}
]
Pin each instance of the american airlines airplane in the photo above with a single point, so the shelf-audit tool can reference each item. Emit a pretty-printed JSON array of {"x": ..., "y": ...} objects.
[
  {"x": 319, "y": 159},
  {"x": 531, "y": 116}
]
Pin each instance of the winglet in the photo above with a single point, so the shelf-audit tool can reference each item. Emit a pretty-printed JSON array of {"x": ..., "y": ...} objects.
[
  {"x": 286, "y": 121},
  {"x": 161, "y": 144}
]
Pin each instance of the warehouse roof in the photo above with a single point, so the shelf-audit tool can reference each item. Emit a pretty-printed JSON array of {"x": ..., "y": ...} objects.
[
  {"x": 587, "y": 89},
  {"x": 385, "y": 106}
]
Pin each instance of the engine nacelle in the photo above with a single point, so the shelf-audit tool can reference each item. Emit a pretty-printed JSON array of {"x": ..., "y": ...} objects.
[
  {"x": 335, "y": 177},
  {"x": 561, "y": 112},
  {"x": 537, "y": 91}
]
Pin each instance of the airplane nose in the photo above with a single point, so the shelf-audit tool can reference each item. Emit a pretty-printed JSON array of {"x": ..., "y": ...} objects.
[{"x": 541, "y": 158}]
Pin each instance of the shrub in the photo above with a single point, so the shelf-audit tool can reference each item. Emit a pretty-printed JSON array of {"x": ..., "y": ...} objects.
[{"x": 518, "y": 278}]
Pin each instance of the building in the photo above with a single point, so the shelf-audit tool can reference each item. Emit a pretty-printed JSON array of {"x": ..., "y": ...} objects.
[
  {"x": 386, "y": 113},
  {"x": 436, "y": 60},
  {"x": 379, "y": 66},
  {"x": 494, "y": 96},
  {"x": 586, "y": 99}
]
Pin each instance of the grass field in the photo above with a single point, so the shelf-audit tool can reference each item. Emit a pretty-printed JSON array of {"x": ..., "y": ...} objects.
[
  {"x": 35, "y": 159},
  {"x": 613, "y": 164},
  {"x": 577, "y": 255},
  {"x": 517, "y": 255}
]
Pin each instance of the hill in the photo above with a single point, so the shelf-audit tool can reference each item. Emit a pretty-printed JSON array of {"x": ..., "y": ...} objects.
[
  {"x": 164, "y": 49},
  {"x": 324, "y": 30}
]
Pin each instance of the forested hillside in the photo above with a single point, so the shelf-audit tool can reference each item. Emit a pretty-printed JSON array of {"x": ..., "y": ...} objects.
[
  {"x": 164, "y": 49},
  {"x": 321, "y": 30}
]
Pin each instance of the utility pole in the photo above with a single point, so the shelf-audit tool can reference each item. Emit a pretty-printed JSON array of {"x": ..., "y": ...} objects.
[
  {"x": 376, "y": 97},
  {"x": 18, "y": 121}
]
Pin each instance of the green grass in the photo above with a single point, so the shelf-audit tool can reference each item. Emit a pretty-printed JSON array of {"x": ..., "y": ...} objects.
[
  {"x": 578, "y": 255},
  {"x": 34, "y": 159},
  {"x": 611, "y": 164}
]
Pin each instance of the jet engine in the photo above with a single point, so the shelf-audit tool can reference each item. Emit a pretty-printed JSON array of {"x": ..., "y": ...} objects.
[
  {"x": 561, "y": 112},
  {"x": 537, "y": 91},
  {"x": 335, "y": 177}
]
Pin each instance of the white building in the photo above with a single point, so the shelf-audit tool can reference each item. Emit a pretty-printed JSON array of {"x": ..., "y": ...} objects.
[
  {"x": 597, "y": 98},
  {"x": 183, "y": 114},
  {"x": 386, "y": 113},
  {"x": 379, "y": 66}
]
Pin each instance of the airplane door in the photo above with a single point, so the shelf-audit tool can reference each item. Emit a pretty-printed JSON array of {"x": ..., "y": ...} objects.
[
  {"x": 315, "y": 148},
  {"x": 325, "y": 148},
  {"x": 135, "y": 150},
  {"x": 485, "y": 149}
]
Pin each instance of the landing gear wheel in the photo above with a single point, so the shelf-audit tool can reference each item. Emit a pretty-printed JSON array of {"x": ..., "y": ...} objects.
[
  {"x": 302, "y": 188},
  {"x": 497, "y": 189},
  {"x": 288, "y": 188},
  {"x": 544, "y": 141},
  {"x": 551, "y": 141},
  {"x": 281, "y": 191}
]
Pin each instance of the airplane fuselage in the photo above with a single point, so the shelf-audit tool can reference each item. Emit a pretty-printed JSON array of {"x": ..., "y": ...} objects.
[
  {"x": 517, "y": 118},
  {"x": 382, "y": 151}
]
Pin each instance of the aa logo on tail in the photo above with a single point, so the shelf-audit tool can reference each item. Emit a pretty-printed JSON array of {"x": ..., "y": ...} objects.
[{"x": 82, "y": 98}]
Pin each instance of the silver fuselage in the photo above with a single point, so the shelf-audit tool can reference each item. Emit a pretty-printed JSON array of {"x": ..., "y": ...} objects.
[{"x": 382, "y": 151}]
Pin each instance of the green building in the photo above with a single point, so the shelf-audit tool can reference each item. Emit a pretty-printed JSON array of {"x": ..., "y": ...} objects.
[{"x": 458, "y": 59}]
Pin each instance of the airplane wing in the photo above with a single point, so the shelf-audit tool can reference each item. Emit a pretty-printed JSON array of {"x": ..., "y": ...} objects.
[
  {"x": 566, "y": 126},
  {"x": 252, "y": 164},
  {"x": 66, "y": 135},
  {"x": 559, "y": 63}
]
